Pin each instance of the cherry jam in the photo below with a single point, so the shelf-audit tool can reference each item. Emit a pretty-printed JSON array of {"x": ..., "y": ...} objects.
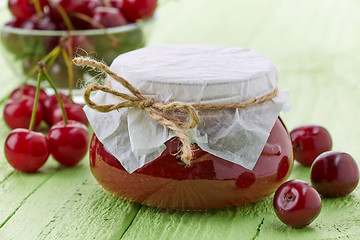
[{"x": 210, "y": 182}]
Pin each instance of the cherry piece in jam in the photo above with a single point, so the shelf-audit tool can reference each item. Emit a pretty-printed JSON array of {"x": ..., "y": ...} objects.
[
  {"x": 210, "y": 182},
  {"x": 309, "y": 141},
  {"x": 297, "y": 203},
  {"x": 334, "y": 174}
]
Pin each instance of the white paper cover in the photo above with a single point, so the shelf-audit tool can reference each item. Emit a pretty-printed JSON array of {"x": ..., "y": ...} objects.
[{"x": 194, "y": 74}]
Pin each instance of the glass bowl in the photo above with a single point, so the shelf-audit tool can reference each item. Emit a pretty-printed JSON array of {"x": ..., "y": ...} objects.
[{"x": 23, "y": 48}]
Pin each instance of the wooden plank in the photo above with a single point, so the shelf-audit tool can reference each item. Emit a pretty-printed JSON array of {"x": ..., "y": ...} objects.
[
  {"x": 9, "y": 78},
  {"x": 316, "y": 48},
  {"x": 68, "y": 204},
  {"x": 243, "y": 223},
  {"x": 7, "y": 75},
  {"x": 5, "y": 169},
  {"x": 51, "y": 203},
  {"x": 58, "y": 201}
]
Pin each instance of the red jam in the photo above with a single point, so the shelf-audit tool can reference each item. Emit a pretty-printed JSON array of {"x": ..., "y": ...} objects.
[{"x": 210, "y": 182}]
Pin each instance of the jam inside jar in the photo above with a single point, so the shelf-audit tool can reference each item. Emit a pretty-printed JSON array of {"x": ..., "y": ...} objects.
[{"x": 210, "y": 182}]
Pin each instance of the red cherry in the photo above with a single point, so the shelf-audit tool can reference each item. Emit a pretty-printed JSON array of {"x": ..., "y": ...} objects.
[
  {"x": 35, "y": 22},
  {"x": 82, "y": 44},
  {"x": 334, "y": 174},
  {"x": 69, "y": 7},
  {"x": 309, "y": 141},
  {"x": 297, "y": 203},
  {"x": 116, "y": 3},
  {"x": 26, "y": 150},
  {"x": 87, "y": 8},
  {"x": 51, "y": 102},
  {"x": 108, "y": 17},
  {"x": 68, "y": 143},
  {"x": 22, "y": 9},
  {"x": 138, "y": 9},
  {"x": 14, "y": 22},
  {"x": 28, "y": 90},
  {"x": 17, "y": 112},
  {"x": 73, "y": 111}
]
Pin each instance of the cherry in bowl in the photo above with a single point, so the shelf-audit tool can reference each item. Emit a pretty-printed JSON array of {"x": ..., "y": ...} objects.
[
  {"x": 309, "y": 141},
  {"x": 114, "y": 34},
  {"x": 334, "y": 174},
  {"x": 23, "y": 9},
  {"x": 138, "y": 9},
  {"x": 297, "y": 203}
]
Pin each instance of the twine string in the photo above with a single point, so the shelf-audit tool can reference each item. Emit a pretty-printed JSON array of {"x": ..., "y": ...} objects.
[{"x": 159, "y": 111}]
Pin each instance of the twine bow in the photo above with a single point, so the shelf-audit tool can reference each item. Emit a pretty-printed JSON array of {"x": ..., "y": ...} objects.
[{"x": 157, "y": 110}]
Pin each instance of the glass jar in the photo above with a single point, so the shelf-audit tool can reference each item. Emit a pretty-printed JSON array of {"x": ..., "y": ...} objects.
[
  {"x": 210, "y": 182},
  {"x": 240, "y": 154}
]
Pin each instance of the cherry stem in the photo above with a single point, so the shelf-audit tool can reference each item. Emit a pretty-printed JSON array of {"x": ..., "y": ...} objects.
[
  {"x": 47, "y": 78},
  {"x": 106, "y": 3},
  {"x": 51, "y": 61},
  {"x": 289, "y": 197},
  {"x": 38, "y": 8},
  {"x": 69, "y": 67},
  {"x": 64, "y": 16},
  {"x": 55, "y": 52},
  {"x": 51, "y": 57},
  {"x": 36, "y": 101}
]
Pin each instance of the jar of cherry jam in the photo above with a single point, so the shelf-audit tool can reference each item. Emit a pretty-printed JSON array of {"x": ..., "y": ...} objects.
[{"x": 239, "y": 155}]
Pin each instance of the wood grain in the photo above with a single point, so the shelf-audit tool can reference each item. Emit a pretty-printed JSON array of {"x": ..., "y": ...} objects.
[{"x": 316, "y": 48}]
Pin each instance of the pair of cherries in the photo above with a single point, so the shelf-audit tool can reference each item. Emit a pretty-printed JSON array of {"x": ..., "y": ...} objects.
[
  {"x": 27, "y": 150},
  {"x": 18, "y": 109},
  {"x": 333, "y": 174}
]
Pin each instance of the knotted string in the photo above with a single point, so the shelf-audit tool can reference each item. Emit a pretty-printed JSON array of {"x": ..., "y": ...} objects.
[{"x": 159, "y": 111}]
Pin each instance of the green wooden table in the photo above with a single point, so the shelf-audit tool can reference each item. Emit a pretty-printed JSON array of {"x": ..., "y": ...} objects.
[{"x": 316, "y": 47}]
